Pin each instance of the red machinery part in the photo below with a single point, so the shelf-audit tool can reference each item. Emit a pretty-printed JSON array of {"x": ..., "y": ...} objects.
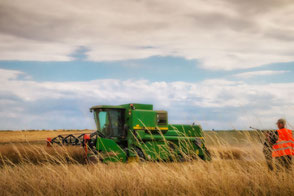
[
  {"x": 49, "y": 142},
  {"x": 87, "y": 137}
]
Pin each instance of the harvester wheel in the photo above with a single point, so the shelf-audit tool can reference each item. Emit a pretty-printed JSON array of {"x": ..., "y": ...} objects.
[
  {"x": 181, "y": 158},
  {"x": 140, "y": 154},
  {"x": 207, "y": 155}
]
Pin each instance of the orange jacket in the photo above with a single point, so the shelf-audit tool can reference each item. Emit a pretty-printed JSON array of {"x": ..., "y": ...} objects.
[{"x": 284, "y": 145}]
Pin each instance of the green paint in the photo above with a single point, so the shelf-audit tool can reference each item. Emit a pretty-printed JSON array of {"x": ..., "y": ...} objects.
[{"x": 131, "y": 129}]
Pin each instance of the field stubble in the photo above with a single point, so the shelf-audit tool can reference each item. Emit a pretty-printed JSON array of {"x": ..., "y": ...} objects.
[{"x": 237, "y": 168}]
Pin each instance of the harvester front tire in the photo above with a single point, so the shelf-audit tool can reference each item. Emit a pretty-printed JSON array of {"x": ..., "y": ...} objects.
[
  {"x": 140, "y": 154},
  {"x": 207, "y": 155}
]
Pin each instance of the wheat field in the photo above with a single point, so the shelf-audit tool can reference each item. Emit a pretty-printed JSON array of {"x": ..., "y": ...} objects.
[{"x": 238, "y": 168}]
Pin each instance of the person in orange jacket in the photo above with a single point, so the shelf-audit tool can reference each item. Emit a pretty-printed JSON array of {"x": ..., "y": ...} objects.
[{"x": 282, "y": 149}]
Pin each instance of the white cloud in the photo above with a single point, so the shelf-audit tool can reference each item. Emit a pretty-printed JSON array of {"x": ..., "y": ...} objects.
[
  {"x": 222, "y": 35},
  {"x": 6, "y": 75},
  {"x": 259, "y": 73},
  {"x": 215, "y": 103}
]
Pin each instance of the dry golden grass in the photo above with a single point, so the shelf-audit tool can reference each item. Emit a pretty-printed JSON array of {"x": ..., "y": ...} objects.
[
  {"x": 34, "y": 136},
  {"x": 16, "y": 154},
  {"x": 219, "y": 177},
  {"x": 235, "y": 170}
]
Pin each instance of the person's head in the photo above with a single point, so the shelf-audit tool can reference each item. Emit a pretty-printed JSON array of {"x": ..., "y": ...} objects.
[{"x": 281, "y": 123}]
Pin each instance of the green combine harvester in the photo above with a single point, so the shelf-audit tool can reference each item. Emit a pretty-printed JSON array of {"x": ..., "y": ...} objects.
[
  {"x": 131, "y": 131},
  {"x": 137, "y": 132}
]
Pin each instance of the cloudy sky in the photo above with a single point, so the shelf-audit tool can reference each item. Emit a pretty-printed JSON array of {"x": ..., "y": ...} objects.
[{"x": 224, "y": 64}]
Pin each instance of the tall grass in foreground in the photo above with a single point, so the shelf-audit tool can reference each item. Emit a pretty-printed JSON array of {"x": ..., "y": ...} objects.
[
  {"x": 219, "y": 177},
  {"x": 234, "y": 170}
]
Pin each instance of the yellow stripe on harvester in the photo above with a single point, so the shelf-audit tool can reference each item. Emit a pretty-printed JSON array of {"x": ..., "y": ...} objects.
[{"x": 150, "y": 128}]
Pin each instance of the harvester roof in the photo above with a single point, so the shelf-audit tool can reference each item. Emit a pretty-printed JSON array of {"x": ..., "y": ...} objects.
[
  {"x": 124, "y": 106},
  {"x": 106, "y": 107}
]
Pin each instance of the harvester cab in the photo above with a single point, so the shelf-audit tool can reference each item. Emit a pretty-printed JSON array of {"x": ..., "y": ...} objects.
[{"x": 136, "y": 131}]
